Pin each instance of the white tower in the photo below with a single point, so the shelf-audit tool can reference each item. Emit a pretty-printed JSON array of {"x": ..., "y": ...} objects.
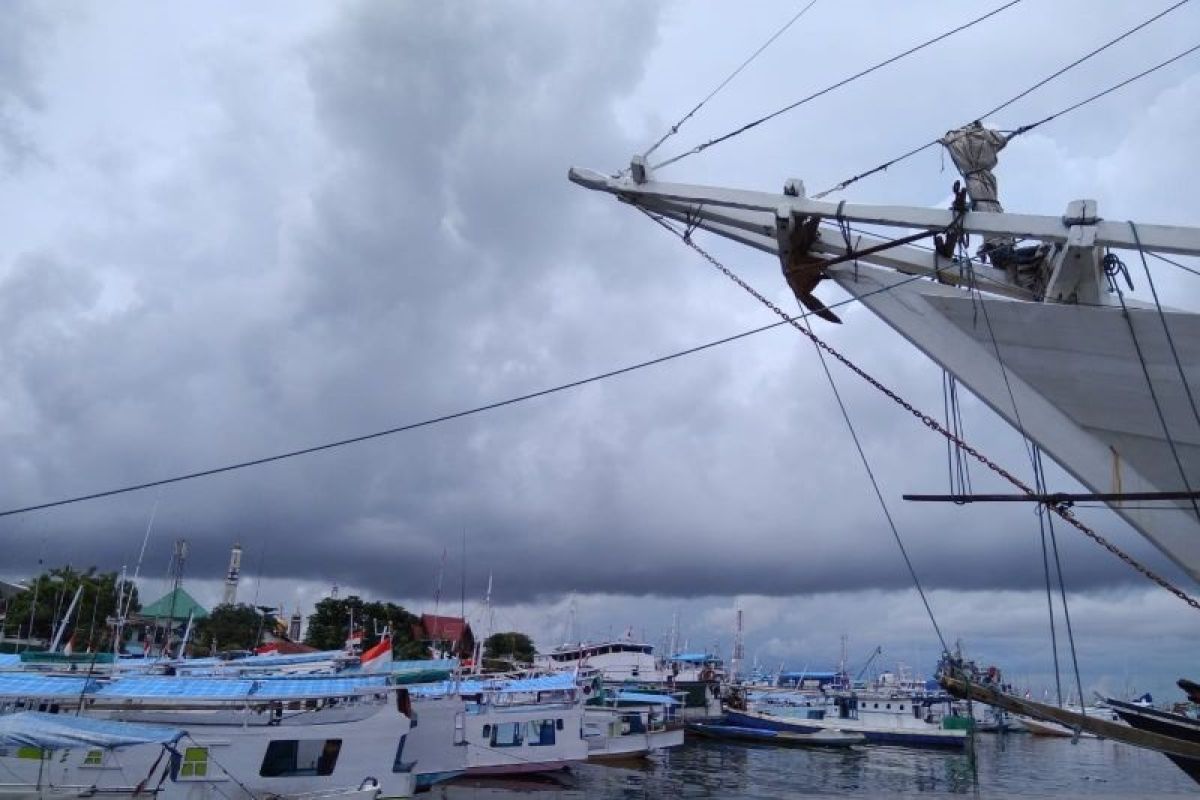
[
  {"x": 294, "y": 625},
  {"x": 231, "y": 578},
  {"x": 738, "y": 650}
]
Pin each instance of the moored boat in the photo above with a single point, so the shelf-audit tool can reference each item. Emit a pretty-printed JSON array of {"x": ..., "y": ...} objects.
[{"x": 778, "y": 738}]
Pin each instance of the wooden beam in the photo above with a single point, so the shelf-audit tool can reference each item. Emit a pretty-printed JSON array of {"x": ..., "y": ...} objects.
[{"x": 1101, "y": 727}]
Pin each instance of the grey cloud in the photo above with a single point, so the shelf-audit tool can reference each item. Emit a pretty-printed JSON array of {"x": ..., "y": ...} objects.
[
  {"x": 388, "y": 235},
  {"x": 23, "y": 32}
]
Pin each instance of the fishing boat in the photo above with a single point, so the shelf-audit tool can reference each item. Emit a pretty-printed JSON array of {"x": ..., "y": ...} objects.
[
  {"x": 775, "y": 738},
  {"x": 242, "y": 738},
  {"x": 36, "y": 750},
  {"x": 897, "y": 725},
  {"x": 631, "y": 665},
  {"x": 510, "y": 727},
  {"x": 1036, "y": 323},
  {"x": 622, "y": 725},
  {"x": 1145, "y": 717}
]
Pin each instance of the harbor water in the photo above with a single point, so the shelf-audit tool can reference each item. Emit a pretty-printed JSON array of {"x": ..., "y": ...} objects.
[{"x": 1004, "y": 766}]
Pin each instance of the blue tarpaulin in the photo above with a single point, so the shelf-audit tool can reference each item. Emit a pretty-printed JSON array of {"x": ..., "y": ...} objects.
[
  {"x": 47, "y": 687},
  {"x": 59, "y": 731},
  {"x": 174, "y": 687},
  {"x": 648, "y": 699}
]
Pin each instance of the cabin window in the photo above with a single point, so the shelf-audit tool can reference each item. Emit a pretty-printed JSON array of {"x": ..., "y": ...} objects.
[
  {"x": 539, "y": 732},
  {"x": 36, "y": 753},
  {"x": 94, "y": 758},
  {"x": 398, "y": 763},
  {"x": 506, "y": 734},
  {"x": 887, "y": 705},
  {"x": 297, "y": 757},
  {"x": 558, "y": 723},
  {"x": 902, "y": 706},
  {"x": 194, "y": 763}
]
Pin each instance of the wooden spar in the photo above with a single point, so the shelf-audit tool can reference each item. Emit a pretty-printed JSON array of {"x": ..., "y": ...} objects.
[
  {"x": 1101, "y": 727},
  {"x": 1053, "y": 498}
]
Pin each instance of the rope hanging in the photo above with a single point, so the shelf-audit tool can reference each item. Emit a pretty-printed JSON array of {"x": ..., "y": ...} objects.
[
  {"x": 862, "y": 73},
  {"x": 674, "y": 129},
  {"x": 933, "y": 424},
  {"x": 1024, "y": 128}
]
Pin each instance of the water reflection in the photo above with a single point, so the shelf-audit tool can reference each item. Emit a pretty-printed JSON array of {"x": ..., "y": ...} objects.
[{"x": 1023, "y": 766}]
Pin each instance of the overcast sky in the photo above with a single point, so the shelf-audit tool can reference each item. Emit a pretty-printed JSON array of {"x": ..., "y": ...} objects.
[{"x": 234, "y": 230}]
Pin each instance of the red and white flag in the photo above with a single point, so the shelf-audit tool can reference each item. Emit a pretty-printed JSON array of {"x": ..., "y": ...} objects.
[
  {"x": 69, "y": 647},
  {"x": 379, "y": 657}
]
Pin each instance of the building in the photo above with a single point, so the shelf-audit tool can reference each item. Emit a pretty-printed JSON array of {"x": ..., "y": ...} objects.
[
  {"x": 447, "y": 637},
  {"x": 163, "y": 622}
]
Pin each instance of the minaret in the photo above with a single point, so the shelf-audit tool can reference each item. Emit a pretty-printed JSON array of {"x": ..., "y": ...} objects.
[
  {"x": 294, "y": 625},
  {"x": 738, "y": 650},
  {"x": 231, "y": 578}
]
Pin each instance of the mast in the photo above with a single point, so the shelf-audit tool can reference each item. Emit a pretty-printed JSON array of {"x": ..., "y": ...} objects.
[
  {"x": 735, "y": 661},
  {"x": 1059, "y": 358},
  {"x": 62, "y": 626}
]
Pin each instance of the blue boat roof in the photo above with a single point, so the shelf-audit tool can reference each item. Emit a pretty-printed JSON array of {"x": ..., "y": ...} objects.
[
  {"x": 61, "y": 731},
  {"x": 649, "y": 699},
  {"x": 548, "y": 683},
  {"x": 446, "y": 664},
  {"x": 240, "y": 689},
  {"x": 19, "y": 684},
  {"x": 174, "y": 687},
  {"x": 255, "y": 661},
  {"x": 693, "y": 658},
  {"x": 808, "y": 673}
]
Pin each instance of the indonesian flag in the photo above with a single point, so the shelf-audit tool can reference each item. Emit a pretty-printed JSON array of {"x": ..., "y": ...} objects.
[
  {"x": 267, "y": 649},
  {"x": 379, "y": 657},
  {"x": 69, "y": 647},
  {"x": 354, "y": 640}
]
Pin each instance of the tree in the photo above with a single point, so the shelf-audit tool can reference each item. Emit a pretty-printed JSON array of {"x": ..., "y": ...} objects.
[
  {"x": 48, "y": 597},
  {"x": 233, "y": 627},
  {"x": 329, "y": 624},
  {"x": 509, "y": 646}
]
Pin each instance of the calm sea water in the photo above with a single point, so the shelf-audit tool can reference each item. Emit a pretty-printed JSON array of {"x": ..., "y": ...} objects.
[{"x": 1005, "y": 766}]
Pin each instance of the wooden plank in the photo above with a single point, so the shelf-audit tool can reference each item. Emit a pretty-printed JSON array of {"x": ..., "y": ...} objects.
[{"x": 1101, "y": 727}]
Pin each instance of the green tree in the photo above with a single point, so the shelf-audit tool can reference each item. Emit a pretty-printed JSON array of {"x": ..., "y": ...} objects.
[
  {"x": 509, "y": 646},
  {"x": 329, "y": 624},
  {"x": 48, "y": 597},
  {"x": 232, "y": 627}
]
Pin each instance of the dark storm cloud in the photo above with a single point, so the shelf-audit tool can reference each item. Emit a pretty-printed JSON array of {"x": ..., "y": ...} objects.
[{"x": 374, "y": 227}]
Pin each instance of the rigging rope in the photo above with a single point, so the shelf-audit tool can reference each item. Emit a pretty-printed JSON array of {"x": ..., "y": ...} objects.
[
  {"x": 1041, "y": 515},
  {"x": 912, "y": 571},
  {"x": 862, "y": 73},
  {"x": 1110, "y": 261},
  {"x": 1183, "y": 267},
  {"x": 1026, "y": 128},
  {"x": 1040, "y": 479},
  {"x": 1083, "y": 58},
  {"x": 433, "y": 420},
  {"x": 674, "y": 129},
  {"x": 1163, "y": 318},
  {"x": 933, "y": 424},
  {"x": 965, "y": 254},
  {"x": 802, "y": 323}
]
